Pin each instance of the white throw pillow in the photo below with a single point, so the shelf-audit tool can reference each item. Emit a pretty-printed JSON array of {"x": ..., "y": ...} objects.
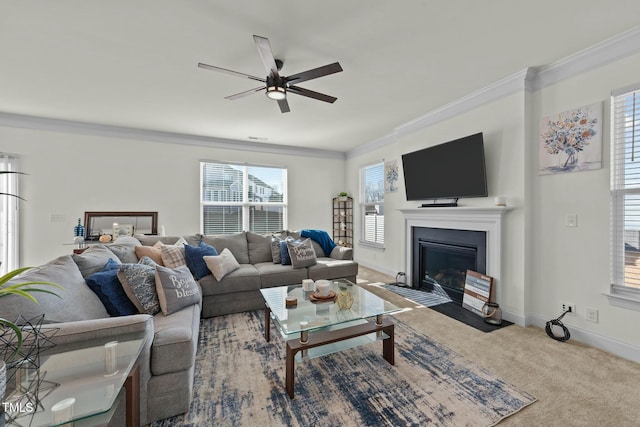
[{"x": 221, "y": 265}]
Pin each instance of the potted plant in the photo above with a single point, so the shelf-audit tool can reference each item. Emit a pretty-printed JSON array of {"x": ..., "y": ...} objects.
[{"x": 342, "y": 196}]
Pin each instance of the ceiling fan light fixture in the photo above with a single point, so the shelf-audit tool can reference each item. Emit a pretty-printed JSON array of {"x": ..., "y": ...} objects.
[{"x": 276, "y": 92}]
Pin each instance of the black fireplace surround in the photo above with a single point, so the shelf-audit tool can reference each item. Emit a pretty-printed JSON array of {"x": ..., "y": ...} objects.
[{"x": 443, "y": 256}]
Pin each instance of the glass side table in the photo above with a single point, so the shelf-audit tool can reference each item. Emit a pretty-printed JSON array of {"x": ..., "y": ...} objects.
[{"x": 76, "y": 385}]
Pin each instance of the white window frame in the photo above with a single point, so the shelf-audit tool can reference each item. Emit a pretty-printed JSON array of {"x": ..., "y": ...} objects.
[
  {"x": 9, "y": 214},
  {"x": 364, "y": 205},
  {"x": 245, "y": 204},
  {"x": 620, "y": 294}
]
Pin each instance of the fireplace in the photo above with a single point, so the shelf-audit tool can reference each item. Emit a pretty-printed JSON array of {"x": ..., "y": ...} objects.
[
  {"x": 487, "y": 220},
  {"x": 443, "y": 256}
]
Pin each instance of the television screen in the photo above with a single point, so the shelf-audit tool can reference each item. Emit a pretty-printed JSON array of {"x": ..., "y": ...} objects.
[{"x": 450, "y": 170}]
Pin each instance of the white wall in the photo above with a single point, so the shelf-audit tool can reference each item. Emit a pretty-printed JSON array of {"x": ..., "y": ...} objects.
[
  {"x": 503, "y": 126},
  {"x": 544, "y": 263},
  {"x": 572, "y": 264},
  {"x": 70, "y": 173}
]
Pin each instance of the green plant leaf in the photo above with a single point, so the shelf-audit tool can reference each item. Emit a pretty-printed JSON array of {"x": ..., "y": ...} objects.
[{"x": 18, "y": 333}]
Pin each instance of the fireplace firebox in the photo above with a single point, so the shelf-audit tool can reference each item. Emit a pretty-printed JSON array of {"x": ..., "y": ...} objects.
[{"x": 443, "y": 256}]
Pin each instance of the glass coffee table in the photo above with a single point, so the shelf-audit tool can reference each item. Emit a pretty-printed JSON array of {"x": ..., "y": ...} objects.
[{"x": 316, "y": 326}]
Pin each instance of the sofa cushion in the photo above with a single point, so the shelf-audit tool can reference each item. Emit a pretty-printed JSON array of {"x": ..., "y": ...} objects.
[
  {"x": 245, "y": 278},
  {"x": 176, "y": 289},
  {"x": 194, "y": 256},
  {"x": 259, "y": 247},
  {"x": 93, "y": 259},
  {"x": 329, "y": 268},
  {"x": 139, "y": 283},
  {"x": 175, "y": 339},
  {"x": 275, "y": 249},
  {"x": 236, "y": 243},
  {"x": 124, "y": 249},
  {"x": 301, "y": 253},
  {"x": 173, "y": 255},
  {"x": 75, "y": 302},
  {"x": 150, "y": 240},
  {"x": 277, "y": 274},
  {"x": 153, "y": 252},
  {"x": 107, "y": 287},
  {"x": 221, "y": 265}
]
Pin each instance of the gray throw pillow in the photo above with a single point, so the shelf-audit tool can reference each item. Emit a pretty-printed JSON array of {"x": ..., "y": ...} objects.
[
  {"x": 176, "y": 288},
  {"x": 302, "y": 253},
  {"x": 139, "y": 283},
  {"x": 93, "y": 259},
  {"x": 124, "y": 249}
]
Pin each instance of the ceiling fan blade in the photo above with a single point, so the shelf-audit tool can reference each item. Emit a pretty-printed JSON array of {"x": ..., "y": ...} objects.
[
  {"x": 284, "y": 105},
  {"x": 311, "y": 94},
  {"x": 266, "y": 54},
  {"x": 233, "y": 73},
  {"x": 315, "y": 73},
  {"x": 245, "y": 93}
]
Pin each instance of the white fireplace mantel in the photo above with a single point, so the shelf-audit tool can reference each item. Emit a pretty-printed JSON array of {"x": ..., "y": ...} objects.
[{"x": 487, "y": 219}]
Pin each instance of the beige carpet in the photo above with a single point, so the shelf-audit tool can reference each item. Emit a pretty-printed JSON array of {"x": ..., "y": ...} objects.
[{"x": 576, "y": 385}]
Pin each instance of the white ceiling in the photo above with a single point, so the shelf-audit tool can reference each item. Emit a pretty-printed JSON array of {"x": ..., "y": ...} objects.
[{"x": 133, "y": 63}]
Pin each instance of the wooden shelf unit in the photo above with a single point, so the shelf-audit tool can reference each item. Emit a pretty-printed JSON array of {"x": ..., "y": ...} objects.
[{"x": 343, "y": 221}]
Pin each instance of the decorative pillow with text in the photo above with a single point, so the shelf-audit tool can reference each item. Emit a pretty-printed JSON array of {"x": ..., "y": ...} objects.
[{"x": 176, "y": 288}]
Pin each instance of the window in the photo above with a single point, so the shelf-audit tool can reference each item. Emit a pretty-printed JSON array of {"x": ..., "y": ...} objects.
[
  {"x": 242, "y": 197},
  {"x": 625, "y": 193},
  {"x": 8, "y": 214},
  {"x": 372, "y": 204}
]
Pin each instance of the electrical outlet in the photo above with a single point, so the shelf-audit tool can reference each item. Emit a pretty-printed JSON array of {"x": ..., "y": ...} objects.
[
  {"x": 571, "y": 220},
  {"x": 568, "y": 306},
  {"x": 591, "y": 315}
]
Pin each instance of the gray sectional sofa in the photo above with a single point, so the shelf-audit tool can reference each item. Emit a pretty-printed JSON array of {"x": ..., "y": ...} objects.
[{"x": 167, "y": 361}]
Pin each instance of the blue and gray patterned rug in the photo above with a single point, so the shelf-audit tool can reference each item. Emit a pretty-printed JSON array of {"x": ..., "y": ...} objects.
[{"x": 240, "y": 382}]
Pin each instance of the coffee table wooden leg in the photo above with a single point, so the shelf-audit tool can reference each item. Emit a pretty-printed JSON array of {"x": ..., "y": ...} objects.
[
  {"x": 267, "y": 323},
  {"x": 290, "y": 371},
  {"x": 388, "y": 345},
  {"x": 132, "y": 388}
]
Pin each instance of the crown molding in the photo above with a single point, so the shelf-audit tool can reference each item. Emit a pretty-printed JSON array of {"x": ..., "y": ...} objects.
[
  {"x": 529, "y": 79},
  {"x": 94, "y": 129}
]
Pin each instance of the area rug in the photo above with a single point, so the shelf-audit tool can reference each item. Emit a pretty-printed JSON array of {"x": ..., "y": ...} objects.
[{"x": 239, "y": 381}]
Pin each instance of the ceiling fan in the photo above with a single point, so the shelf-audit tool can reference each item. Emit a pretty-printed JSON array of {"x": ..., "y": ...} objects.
[{"x": 276, "y": 86}]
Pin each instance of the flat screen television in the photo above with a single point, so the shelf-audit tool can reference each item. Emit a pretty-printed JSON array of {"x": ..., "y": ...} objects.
[{"x": 451, "y": 170}]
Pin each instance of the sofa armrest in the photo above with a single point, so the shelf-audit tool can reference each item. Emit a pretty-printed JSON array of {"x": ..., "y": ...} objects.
[
  {"x": 342, "y": 253},
  {"x": 73, "y": 335}
]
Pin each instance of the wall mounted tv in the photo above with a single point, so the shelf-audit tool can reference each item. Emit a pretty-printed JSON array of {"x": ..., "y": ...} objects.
[{"x": 450, "y": 170}]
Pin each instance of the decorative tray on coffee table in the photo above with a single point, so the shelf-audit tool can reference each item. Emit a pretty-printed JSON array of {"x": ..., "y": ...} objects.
[{"x": 314, "y": 297}]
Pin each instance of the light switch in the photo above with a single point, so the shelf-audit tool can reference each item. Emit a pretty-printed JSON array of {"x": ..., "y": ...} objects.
[
  {"x": 571, "y": 220},
  {"x": 57, "y": 217}
]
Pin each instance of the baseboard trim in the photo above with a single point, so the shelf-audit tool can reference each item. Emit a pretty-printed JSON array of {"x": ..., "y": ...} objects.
[
  {"x": 618, "y": 348},
  {"x": 377, "y": 267}
]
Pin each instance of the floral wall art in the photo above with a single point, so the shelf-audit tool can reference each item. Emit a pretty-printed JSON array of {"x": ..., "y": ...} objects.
[
  {"x": 571, "y": 141},
  {"x": 390, "y": 176}
]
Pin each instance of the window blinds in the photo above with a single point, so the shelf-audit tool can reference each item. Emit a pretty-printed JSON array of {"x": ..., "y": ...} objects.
[
  {"x": 625, "y": 188},
  {"x": 9, "y": 214},
  {"x": 373, "y": 203}
]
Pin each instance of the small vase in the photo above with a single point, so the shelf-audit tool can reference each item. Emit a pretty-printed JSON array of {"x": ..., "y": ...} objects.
[{"x": 569, "y": 161}]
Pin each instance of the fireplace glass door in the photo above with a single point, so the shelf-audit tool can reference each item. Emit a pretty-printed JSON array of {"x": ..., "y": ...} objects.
[{"x": 446, "y": 265}]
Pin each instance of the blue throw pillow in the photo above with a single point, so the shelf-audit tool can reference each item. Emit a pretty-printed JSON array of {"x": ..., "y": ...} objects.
[
  {"x": 195, "y": 259},
  {"x": 285, "y": 259},
  {"x": 107, "y": 287}
]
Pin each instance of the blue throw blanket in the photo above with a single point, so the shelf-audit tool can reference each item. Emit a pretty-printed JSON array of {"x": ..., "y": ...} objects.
[{"x": 322, "y": 237}]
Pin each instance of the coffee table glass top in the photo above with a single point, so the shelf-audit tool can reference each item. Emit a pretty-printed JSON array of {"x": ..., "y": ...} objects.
[{"x": 352, "y": 303}]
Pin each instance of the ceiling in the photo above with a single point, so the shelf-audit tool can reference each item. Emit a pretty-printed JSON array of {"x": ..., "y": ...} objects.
[{"x": 134, "y": 63}]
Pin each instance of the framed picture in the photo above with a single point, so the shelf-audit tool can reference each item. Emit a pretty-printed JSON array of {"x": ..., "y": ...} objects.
[
  {"x": 390, "y": 176},
  {"x": 478, "y": 289},
  {"x": 571, "y": 141},
  {"x": 120, "y": 230}
]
